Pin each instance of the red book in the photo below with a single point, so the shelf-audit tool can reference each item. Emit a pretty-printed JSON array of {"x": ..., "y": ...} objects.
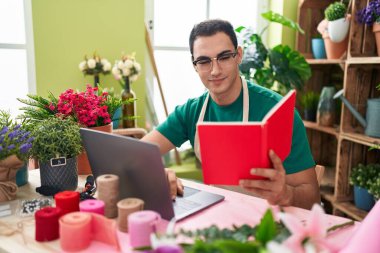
[{"x": 229, "y": 150}]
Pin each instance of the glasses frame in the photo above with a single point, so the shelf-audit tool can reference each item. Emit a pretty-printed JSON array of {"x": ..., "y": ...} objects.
[{"x": 233, "y": 54}]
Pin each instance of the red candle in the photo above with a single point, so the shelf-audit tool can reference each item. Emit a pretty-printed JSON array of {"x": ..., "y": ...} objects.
[
  {"x": 47, "y": 226},
  {"x": 67, "y": 201}
]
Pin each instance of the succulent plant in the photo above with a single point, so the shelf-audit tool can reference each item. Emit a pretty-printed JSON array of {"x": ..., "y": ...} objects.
[{"x": 335, "y": 11}]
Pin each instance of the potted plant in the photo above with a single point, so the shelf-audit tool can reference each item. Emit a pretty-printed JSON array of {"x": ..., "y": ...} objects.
[
  {"x": 15, "y": 145},
  {"x": 363, "y": 177},
  {"x": 334, "y": 30},
  {"x": 57, "y": 143},
  {"x": 370, "y": 15},
  {"x": 95, "y": 66},
  {"x": 309, "y": 102},
  {"x": 280, "y": 64},
  {"x": 318, "y": 47},
  {"x": 336, "y": 15}
]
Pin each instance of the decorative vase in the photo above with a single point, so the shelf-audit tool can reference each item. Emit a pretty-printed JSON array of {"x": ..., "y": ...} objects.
[
  {"x": 363, "y": 199},
  {"x": 96, "y": 80},
  {"x": 338, "y": 29},
  {"x": 8, "y": 170},
  {"x": 310, "y": 115},
  {"x": 326, "y": 107},
  {"x": 318, "y": 48},
  {"x": 129, "y": 109},
  {"x": 61, "y": 177},
  {"x": 84, "y": 167},
  {"x": 22, "y": 175},
  {"x": 116, "y": 118},
  {"x": 376, "y": 30}
]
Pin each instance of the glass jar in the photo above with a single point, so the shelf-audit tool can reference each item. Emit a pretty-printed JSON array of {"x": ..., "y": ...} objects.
[{"x": 326, "y": 107}]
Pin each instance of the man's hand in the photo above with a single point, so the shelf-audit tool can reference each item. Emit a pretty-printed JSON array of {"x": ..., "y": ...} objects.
[
  {"x": 175, "y": 183},
  {"x": 274, "y": 189}
]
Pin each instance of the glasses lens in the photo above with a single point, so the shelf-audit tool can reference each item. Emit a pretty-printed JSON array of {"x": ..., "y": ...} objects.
[
  {"x": 203, "y": 65},
  {"x": 226, "y": 59}
]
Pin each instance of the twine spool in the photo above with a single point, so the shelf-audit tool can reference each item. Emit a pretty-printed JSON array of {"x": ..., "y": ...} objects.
[
  {"x": 108, "y": 191},
  {"x": 92, "y": 206},
  {"x": 67, "y": 201},
  {"x": 47, "y": 228},
  {"x": 125, "y": 208},
  {"x": 76, "y": 231}
]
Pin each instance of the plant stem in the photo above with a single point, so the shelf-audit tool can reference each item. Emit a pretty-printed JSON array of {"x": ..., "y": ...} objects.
[{"x": 333, "y": 228}]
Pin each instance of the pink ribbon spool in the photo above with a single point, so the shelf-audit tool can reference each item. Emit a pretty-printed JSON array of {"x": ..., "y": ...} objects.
[
  {"x": 140, "y": 225},
  {"x": 92, "y": 206}
]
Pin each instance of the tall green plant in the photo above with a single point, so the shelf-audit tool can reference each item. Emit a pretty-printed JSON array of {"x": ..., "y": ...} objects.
[{"x": 280, "y": 64}]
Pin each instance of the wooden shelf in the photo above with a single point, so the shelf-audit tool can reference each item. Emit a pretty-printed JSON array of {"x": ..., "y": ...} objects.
[
  {"x": 361, "y": 139},
  {"x": 346, "y": 207},
  {"x": 328, "y": 130},
  {"x": 363, "y": 60},
  {"x": 324, "y": 61}
]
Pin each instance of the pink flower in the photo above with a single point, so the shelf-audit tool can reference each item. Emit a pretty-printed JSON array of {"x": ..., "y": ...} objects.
[{"x": 313, "y": 234}]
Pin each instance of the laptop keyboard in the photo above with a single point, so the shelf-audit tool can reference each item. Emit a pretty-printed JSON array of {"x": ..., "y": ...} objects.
[{"x": 182, "y": 205}]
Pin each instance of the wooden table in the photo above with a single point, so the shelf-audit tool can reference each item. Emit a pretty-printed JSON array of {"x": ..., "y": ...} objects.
[{"x": 236, "y": 209}]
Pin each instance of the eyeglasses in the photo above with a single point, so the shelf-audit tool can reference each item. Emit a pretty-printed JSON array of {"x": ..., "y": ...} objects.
[{"x": 205, "y": 63}]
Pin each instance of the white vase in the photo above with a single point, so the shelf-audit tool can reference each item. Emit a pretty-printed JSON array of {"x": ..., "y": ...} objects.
[{"x": 338, "y": 29}]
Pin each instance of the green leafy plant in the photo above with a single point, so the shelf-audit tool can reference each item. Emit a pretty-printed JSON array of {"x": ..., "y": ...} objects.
[
  {"x": 310, "y": 100},
  {"x": 55, "y": 137},
  {"x": 280, "y": 64},
  {"x": 364, "y": 176},
  {"x": 335, "y": 11}
]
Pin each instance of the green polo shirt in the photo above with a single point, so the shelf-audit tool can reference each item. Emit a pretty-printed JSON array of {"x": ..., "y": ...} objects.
[{"x": 181, "y": 124}]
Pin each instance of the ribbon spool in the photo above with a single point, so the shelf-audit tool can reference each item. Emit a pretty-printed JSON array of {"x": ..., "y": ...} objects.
[
  {"x": 92, "y": 206},
  {"x": 78, "y": 229},
  {"x": 125, "y": 208},
  {"x": 47, "y": 228},
  {"x": 67, "y": 201},
  {"x": 108, "y": 191},
  {"x": 140, "y": 225}
]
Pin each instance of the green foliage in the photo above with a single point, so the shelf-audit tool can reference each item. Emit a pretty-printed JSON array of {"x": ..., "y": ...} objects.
[
  {"x": 335, "y": 11},
  {"x": 310, "y": 100},
  {"x": 277, "y": 18},
  {"x": 366, "y": 176},
  {"x": 38, "y": 107},
  {"x": 238, "y": 239},
  {"x": 55, "y": 137},
  {"x": 280, "y": 64}
]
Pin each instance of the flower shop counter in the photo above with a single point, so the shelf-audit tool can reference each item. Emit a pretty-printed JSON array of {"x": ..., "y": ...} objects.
[{"x": 236, "y": 209}]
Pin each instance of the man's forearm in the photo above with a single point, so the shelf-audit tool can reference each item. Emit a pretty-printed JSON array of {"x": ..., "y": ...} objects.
[{"x": 303, "y": 195}]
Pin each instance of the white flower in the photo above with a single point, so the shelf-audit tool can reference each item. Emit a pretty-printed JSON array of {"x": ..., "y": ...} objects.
[
  {"x": 107, "y": 66},
  {"x": 91, "y": 63},
  {"x": 104, "y": 61},
  {"x": 163, "y": 240},
  {"x": 115, "y": 70},
  {"x": 137, "y": 66},
  {"x": 133, "y": 78},
  {"x": 120, "y": 64},
  {"x": 128, "y": 63},
  {"x": 126, "y": 71},
  {"x": 275, "y": 247},
  {"x": 82, "y": 65},
  {"x": 117, "y": 76}
]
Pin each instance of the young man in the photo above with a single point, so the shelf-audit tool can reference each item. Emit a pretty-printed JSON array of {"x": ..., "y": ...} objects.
[{"x": 216, "y": 57}]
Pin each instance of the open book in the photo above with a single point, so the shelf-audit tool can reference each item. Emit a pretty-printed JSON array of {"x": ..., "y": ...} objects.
[{"x": 229, "y": 150}]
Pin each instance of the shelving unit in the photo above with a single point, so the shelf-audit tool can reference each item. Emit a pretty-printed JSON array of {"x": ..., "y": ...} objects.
[{"x": 344, "y": 145}]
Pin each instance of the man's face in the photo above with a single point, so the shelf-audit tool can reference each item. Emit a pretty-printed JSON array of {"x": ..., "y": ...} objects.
[{"x": 222, "y": 77}]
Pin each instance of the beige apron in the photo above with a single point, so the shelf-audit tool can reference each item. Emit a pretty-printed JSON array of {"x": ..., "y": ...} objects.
[{"x": 203, "y": 110}]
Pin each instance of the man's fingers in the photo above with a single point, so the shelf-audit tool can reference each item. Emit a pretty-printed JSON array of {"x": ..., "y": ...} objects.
[
  {"x": 179, "y": 187},
  {"x": 261, "y": 184},
  {"x": 276, "y": 161},
  {"x": 172, "y": 179},
  {"x": 267, "y": 173}
]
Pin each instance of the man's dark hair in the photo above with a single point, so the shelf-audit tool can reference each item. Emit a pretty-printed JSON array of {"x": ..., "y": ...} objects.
[{"x": 211, "y": 27}]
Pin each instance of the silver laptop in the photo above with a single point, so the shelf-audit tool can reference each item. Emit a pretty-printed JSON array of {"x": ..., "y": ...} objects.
[{"x": 141, "y": 173}]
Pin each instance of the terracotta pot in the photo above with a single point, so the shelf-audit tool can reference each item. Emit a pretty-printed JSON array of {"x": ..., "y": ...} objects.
[
  {"x": 376, "y": 30},
  {"x": 84, "y": 167},
  {"x": 335, "y": 50}
]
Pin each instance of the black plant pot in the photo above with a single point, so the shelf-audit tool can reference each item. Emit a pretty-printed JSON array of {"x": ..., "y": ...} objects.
[
  {"x": 63, "y": 177},
  {"x": 310, "y": 115}
]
